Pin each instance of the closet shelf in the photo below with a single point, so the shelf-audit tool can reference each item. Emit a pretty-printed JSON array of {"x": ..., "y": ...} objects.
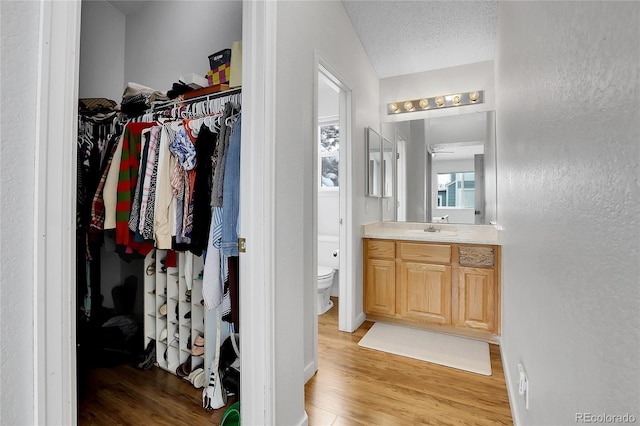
[{"x": 216, "y": 88}]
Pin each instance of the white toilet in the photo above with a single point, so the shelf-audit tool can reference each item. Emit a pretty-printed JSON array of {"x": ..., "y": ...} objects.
[{"x": 328, "y": 265}]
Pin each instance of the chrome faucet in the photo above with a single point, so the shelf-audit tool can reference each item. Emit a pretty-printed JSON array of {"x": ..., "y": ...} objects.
[{"x": 432, "y": 228}]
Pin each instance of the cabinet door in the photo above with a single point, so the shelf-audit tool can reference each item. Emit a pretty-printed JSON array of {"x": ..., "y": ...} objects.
[
  {"x": 380, "y": 287},
  {"x": 477, "y": 298},
  {"x": 425, "y": 293}
]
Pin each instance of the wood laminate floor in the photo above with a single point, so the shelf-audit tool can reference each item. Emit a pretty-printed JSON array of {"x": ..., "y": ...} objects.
[
  {"x": 353, "y": 386},
  {"x": 124, "y": 395},
  {"x": 360, "y": 386}
]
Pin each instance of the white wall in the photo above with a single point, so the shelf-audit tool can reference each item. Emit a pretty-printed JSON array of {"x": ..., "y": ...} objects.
[
  {"x": 476, "y": 76},
  {"x": 329, "y": 213},
  {"x": 569, "y": 203},
  {"x": 168, "y": 39},
  {"x": 102, "y": 45},
  {"x": 304, "y": 27},
  {"x": 19, "y": 32}
]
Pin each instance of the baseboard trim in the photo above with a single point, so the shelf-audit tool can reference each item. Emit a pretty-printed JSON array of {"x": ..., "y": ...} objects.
[
  {"x": 358, "y": 321},
  {"x": 305, "y": 419},
  {"x": 309, "y": 371},
  {"x": 511, "y": 393}
]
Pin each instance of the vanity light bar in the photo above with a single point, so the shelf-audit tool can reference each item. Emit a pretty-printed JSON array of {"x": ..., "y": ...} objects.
[{"x": 436, "y": 102}]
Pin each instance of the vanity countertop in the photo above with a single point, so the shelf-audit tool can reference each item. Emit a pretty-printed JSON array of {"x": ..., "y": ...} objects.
[{"x": 446, "y": 232}]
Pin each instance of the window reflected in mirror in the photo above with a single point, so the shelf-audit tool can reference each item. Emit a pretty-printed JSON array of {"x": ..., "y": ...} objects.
[{"x": 456, "y": 190}]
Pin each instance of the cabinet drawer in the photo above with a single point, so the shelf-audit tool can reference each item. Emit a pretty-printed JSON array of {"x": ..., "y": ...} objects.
[
  {"x": 381, "y": 249},
  {"x": 476, "y": 256},
  {"x": 432, "y": 253}
]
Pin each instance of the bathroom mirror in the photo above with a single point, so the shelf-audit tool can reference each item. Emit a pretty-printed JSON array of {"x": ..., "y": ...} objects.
[
  {"x": 374, "y": 163},
  {"x": 445, "y": 168}
]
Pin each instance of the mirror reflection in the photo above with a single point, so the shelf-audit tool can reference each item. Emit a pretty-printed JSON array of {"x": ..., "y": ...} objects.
[
  {"x": 387, "y": 168},
  {"x": 374, "y": 163},
  {"x": 445, "y": 169}
]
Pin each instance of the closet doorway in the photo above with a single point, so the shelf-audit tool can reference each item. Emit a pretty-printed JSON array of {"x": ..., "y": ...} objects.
[
  {"x": 120, "y": 44},
  {"x": 55, "y": 387},
  {"x": 332, "y": 213}
]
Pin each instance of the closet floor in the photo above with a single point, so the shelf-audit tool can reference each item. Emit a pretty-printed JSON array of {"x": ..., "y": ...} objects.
[
  {"x": 358, "y": 386},
  {"x": 125, "y": 395}
]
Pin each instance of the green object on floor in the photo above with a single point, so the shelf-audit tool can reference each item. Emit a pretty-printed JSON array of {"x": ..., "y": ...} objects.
[{"x": 231, "y": 417}]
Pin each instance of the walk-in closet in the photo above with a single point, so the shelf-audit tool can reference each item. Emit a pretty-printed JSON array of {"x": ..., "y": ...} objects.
[{"x": 158, "y": 183}]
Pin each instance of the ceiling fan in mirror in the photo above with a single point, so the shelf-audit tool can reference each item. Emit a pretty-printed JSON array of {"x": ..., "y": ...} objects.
[{"x": 433, "y": 150}]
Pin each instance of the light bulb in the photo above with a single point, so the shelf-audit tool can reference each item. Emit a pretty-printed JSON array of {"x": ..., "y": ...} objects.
[
  {"x": 393, "y": 107},
  {"x": 474, "y": 96},
  {"x": 456, "y": 99},
  {"x": 439, "y": 101},
  {"x": 424, "y": 104},
  {"x": 408, "y": 106}
]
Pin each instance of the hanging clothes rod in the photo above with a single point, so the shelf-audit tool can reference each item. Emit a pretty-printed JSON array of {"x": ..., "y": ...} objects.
[{"x": 207, "y": 97}]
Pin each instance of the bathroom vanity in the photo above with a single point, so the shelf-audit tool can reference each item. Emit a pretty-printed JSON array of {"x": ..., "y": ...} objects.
[{"x": 445, "y": 279}]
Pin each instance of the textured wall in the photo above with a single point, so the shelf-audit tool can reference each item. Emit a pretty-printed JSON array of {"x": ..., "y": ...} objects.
[
  {"x": 568, "y": 162},
  {"x": 19, "y": 31}
]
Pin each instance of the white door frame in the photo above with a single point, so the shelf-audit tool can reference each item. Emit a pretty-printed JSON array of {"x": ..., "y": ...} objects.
[
  {"x": 257, "y": 221},
  {"x": 346, "y": 306},
  {"x": 54, "y": 310},
  {"x": 55, "y": 392}
]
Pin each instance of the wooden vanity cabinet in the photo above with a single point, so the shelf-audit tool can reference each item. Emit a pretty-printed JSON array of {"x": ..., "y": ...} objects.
[
  {"x": 449, "y": 287},
  {"x": 380, "y": 277},
  {"x": 478, "y": 287},
  {"x": 424, "y": 281},
  {"x": 477, "y": 298}
]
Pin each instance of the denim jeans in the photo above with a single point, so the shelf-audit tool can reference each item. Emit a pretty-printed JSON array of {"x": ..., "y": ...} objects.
[{"x": 231, "y": 194}]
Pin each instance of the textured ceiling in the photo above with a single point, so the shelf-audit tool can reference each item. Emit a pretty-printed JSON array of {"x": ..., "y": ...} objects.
[{"x": 404, "y": 37}]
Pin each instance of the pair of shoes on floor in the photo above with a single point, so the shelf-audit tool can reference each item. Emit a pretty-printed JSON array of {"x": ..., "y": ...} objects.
[
  {"x": 197, "y": 378},
  {"x": 197, "y": 348},
  {"x": 184, "y": 369}
]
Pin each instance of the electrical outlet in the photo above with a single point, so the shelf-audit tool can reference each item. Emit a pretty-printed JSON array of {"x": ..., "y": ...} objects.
[{"x": 523, "y": 385}]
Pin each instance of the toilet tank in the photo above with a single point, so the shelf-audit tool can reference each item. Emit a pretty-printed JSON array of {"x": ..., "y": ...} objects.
[{"x": 327, "y": 245}]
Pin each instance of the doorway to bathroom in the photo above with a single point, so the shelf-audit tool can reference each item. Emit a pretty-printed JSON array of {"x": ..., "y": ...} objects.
[{"x": 331, "y": 188}]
